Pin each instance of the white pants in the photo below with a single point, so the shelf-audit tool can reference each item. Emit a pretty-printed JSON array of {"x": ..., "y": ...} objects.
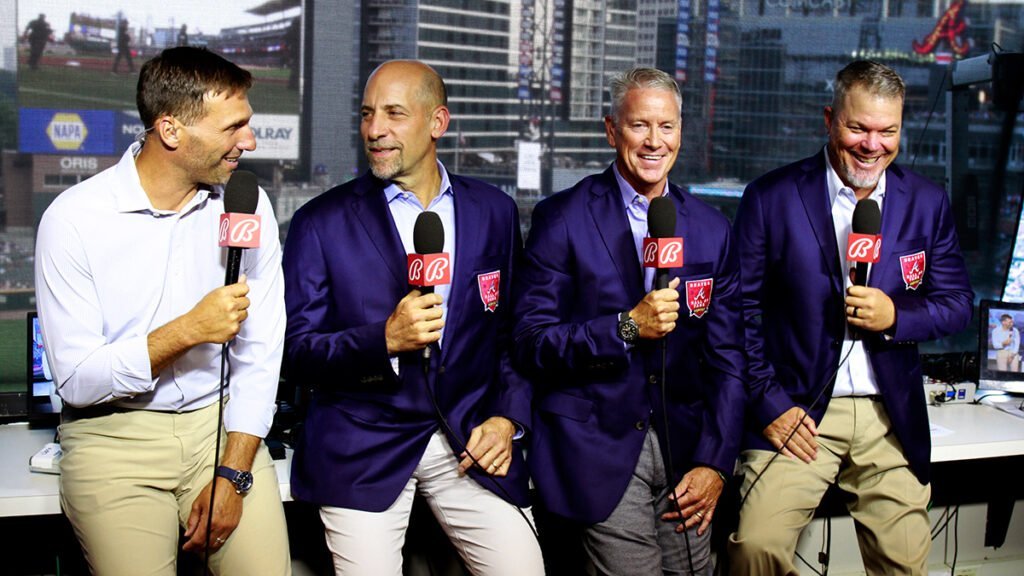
[{"x": 489, "y": 534}]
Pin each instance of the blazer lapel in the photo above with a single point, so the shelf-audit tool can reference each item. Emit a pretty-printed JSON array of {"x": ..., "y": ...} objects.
[
  {"x": 467, "y": 246},
  {"x": 894, "y": 208},
  {"x": 813, "y": 191},
  {"x": 610, "y": 219},
  {"x": 372, "y": 211}
]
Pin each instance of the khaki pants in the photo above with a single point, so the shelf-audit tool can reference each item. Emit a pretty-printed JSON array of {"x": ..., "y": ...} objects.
[
  {"x": 859, "y": 452},
  {"x": 1007, "y": 360},
  {"x": 128, "y": 480}
]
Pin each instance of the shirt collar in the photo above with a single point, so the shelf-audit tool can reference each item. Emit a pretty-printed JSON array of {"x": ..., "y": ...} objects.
[
  {"x": 835, "y": 183},
  {"x": 629, "y": 195},
  {"x": 392, "y": 191},
  {"x": 130, "y": 197}
]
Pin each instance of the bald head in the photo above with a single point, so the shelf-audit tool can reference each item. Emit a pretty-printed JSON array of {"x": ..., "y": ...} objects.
[{"x": 429, "y": 88}]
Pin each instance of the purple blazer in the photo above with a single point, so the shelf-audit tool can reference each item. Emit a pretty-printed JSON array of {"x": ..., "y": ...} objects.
[
  {"x": 345, "y": 271},
  {"x": 594, "y": 398},
  {"x": 793, "y": 297}
]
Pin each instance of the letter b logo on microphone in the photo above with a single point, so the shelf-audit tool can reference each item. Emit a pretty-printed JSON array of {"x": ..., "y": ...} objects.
[
  {"x": 429, "y": 269},
  {"x": 663, "y": 252},
  {"x": 239, "y": 230},
  {"x": 863, "y": 248}
]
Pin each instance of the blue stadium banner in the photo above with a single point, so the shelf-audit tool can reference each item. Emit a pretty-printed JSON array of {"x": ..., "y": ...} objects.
[
  {"x": 127, "y": 128},
  {"x": 48, "y": 131}
]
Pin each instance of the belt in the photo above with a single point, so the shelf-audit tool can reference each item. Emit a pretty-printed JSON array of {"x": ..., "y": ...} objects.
[{"x": 70, "y": 413}]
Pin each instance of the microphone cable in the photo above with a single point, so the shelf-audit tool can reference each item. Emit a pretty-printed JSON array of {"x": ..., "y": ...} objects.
[
  {"x": 225, "y": 380},
  {"x": 807, "y": 412},
  {"x": 462, "y": 446},
  {"x": 668, "y": 450}
]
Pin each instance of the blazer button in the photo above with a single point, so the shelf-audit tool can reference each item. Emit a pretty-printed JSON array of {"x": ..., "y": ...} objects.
[
  {"x": 653, "y": 378},
  {"x": 440, "y": 370},
  {"x": 640, "y": 425}
]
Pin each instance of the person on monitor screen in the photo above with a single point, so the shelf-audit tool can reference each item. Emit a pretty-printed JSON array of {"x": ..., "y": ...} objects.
[
  {"x": 835, "y": 383},
  {"x": 130, "y": 284},
  {"x": 1006, "y": 342}
]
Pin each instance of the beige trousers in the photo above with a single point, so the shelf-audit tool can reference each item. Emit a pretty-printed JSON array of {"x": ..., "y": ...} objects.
[
  {"x": 488, "y": 533},
  {"x": 128, "y": 480},
  {"x": 858, "y": 451}
]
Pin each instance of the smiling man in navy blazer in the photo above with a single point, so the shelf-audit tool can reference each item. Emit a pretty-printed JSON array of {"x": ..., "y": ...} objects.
[
  {"x": 373, "y": 437},
  {"x": 589, "y": 332},
  {"x": 835, "y": 378}
]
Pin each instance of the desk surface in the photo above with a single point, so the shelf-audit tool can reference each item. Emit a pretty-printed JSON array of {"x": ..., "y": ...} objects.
[
  {"x": 26, "y": 493},
  {"x": 973, "y": 431},
  {"x": 960, "y": 432}
]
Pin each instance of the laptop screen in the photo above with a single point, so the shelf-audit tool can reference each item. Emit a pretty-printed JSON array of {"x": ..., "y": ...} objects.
[
  {"x": 999, "y": 346},
  {"x": 40, "y": 381}
]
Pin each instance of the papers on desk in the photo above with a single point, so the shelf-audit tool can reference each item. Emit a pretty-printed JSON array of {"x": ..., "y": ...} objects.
[
  {"x": 937, "y": 431},
  {"x": 1008, "y": 404}
]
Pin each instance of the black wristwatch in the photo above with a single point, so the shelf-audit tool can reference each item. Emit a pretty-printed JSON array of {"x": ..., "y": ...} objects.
[
  {"x": 628, "y": 330},
  {"x": 242, "y": 479}
]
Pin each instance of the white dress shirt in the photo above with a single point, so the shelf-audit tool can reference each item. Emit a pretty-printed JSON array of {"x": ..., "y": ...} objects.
[
  {"x": 110, "y": 269},
  {"x": 856, "y": 377}
]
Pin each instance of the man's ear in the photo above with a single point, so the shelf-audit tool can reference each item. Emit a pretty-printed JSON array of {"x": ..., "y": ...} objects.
[
  {"x": 609, "y": 130},
  {"x": 439, "y": 122},
  {"x": 168, "y": 130}
]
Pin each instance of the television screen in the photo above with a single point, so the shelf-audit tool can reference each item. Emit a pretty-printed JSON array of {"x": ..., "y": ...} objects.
[
  {"x": 999, "y": 346},
  {"x": 1013, "y": 290}
]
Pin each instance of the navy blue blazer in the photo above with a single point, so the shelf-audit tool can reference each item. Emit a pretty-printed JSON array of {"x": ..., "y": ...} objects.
[
  {"x": 345, "y": 271},
  {"x": 594, "y": 398},
  {"x": 793, "y": 296}
]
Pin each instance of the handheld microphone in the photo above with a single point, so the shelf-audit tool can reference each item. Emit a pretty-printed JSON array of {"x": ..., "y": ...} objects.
[
  {"x": 661, "y": 249},
  {"x": 239, "y": 225},
  {"x": 865, "y": 243},
  {"x": 429, "y": 266}
]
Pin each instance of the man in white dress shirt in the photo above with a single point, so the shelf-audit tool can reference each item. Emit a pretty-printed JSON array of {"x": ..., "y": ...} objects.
[
  {"x": 1006, "y": 342},
  {"x": 129, "y": 282}
]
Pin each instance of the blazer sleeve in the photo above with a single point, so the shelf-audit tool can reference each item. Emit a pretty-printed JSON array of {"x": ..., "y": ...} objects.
[
  {"x": 546, "y": 338},
  {"x": 314, "y": 346},
  {"x": 948, "y": 299},
  {"x": 515, "y": 395},
  {"x": 766, "y": 396}
]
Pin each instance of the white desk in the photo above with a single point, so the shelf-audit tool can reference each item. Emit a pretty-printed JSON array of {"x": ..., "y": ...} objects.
[
  {"x": 978, "y": 431},
  {"x": 25, "y": 493}
]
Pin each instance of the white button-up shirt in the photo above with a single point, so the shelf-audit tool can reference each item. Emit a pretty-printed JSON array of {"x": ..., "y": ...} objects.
[
  {"x": 856, "y": 377},
  {"x": 110, "y": 269}
]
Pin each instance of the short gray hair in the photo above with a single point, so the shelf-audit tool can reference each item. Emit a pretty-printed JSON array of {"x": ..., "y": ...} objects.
[
  {"x": 639, "y": 78},
  {"x": 877, "y": 79}
]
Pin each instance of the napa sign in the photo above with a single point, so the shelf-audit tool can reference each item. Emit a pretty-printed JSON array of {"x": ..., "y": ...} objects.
[{"x": 49, "y": 131}]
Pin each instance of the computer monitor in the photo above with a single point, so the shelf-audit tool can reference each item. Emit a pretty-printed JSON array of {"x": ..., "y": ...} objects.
[
  {"x": 41, "y": 393},
  {"x": 1013, "y": 289},
  {"x": 1000, "y": 346}
]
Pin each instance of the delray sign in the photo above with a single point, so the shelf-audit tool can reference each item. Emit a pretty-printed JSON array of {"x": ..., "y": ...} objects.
[{"x": 277, "y": 137}]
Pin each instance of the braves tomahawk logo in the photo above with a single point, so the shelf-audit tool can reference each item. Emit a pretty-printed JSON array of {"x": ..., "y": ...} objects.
[
  {"x": 698, "y": 296},
  {"x": 913, "y": 267},
  {"x": 489, "y": 284},
  {"x": 951, "y": 28}
]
